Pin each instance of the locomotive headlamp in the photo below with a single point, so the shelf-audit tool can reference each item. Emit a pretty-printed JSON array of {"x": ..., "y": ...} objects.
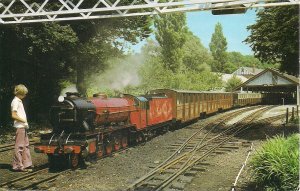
[{"x": 61, "y": 98}]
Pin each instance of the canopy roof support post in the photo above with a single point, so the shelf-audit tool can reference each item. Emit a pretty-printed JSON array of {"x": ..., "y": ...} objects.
[{"x": 298, "y": 95}]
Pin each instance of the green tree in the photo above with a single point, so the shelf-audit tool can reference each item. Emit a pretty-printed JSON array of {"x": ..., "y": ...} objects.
[
  {"x": 42, "y": 55},
  {"x": 184, "y": 78},
  {"x": 37, "y": 56},
  {"x": 195, "y": 56},
  {"x": 99, "y": 40},
  {"x": 275, "y": 37},
  {"x": 153, "y": 66},
  {"x": 232, "y": 83},
  {"x": 218, "y": 47},
  {"x": 171, "y": 30},
  {"x": 236, "y": 60}
]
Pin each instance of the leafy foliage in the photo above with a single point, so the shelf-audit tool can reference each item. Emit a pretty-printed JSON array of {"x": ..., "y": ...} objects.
[
  {"x": 42, "y": 55},
  {"x": 232, "y": 83},
  {"x": 154, "y": 75},
  {"x": 276, "y": 165},
  {"x": 195, "y": 56},
  {"x": 37, "y": 56},
  {"x": 275, "y": 37},
  {"x": 237, "y": 60},
  {"x": 171, "y": 35},
  {"x": 218, "y": 47},
  {"x": 178, "y": 60}
]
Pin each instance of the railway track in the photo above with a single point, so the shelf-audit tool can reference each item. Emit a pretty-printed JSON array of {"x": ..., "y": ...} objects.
[
  {"x": 188, "y": 159},
  {"x": 31, "y": 181},
  {"x": 41, "y": 175},
  {"x": 12, "y": 146},
  {"x": 21, "y": 182}
]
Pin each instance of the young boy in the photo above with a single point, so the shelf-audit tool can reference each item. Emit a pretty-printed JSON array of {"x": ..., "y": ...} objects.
[{"x": 22, "y": 158}]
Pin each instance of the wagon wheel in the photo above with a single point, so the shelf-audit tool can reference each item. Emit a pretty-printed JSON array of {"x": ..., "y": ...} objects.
[
  {"x": 137, "y": 139},
  {"x": 108, "y": 148},
  {"x": 146, "y": 137},
  {"x": 166, "y": 129},
  {"x": 73, "y": 160},
  {"x": 124, "y": 142},
  {"x": 141, "y": 137}
]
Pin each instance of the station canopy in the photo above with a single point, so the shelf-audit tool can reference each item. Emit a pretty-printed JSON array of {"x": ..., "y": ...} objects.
[{"x": 270, "y": 80}]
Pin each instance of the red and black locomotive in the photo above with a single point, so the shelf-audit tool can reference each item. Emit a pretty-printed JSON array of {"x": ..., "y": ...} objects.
[{"x": 88, "y": 128}]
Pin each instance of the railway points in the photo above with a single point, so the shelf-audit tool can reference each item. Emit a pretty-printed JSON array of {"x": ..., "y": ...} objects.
[{"x": 165, "y": 176}]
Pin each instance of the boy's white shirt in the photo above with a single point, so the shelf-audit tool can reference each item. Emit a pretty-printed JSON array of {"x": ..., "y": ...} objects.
[{"x": 17, "y": 105}]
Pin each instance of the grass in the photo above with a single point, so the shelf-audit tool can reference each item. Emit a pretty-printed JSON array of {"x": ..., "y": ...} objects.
[
  {"x": 295, "y": 121},
  {"x": 276, "y": 164}
]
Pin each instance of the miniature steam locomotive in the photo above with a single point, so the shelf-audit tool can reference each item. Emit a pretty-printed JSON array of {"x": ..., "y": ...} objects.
[{"x": 88, "y": 128}]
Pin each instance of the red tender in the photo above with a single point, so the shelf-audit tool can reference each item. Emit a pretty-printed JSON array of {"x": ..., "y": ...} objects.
[{"x": 159, "y": 111}]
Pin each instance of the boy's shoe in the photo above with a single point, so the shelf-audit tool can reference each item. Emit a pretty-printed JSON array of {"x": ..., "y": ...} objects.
[
  {"x": 30, "y": 167},
  {"x": 22, "y": 170},
  {"x": 29, "y": 170}
]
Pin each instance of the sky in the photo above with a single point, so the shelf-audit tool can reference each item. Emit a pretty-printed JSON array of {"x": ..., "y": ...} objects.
[{"x": 202, "y": 24}]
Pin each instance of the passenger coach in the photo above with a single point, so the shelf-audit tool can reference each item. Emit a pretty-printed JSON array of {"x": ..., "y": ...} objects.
[{"x": 190, "y": 105}]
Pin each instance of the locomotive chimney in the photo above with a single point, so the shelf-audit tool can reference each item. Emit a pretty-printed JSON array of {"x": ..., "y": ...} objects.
[{"x": 73, "y": 94}]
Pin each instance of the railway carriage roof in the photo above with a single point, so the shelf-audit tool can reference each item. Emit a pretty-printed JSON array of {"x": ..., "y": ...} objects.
[
  {"x": 190, "y": 91},
  {"x": 157, "y": 96}
]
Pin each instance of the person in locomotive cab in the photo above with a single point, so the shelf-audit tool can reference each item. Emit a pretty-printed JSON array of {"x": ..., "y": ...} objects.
[{"x": 22, "y": 158}]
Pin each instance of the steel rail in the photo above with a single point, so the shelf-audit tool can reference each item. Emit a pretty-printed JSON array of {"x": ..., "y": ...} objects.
[
  {"x": 32, "y": 175},
  {"x": 24, "y": 177},
  {"x": 161, "y": 166},
  {"x": 168, "y": 162},
  {"x": 47, "y": 179},
  {"x": 33, "y": 185},
  {"x": 191, "y": 161},
  {"x": 8, "y": 148},
  {"x": 12, "y": 145},
  {"x": 200, "y": 144}
]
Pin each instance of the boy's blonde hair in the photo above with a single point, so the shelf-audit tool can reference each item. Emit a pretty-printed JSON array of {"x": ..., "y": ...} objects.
[{"x": 20, "y": 90}]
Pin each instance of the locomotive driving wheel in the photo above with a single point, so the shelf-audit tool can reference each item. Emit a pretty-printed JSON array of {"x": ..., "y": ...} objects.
[
  {"x": 100, "y": 151},
  {"x": 108, "y": 148},
  {"x": 73, "y": 160},
  {"x": 117, "y": 144}
]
